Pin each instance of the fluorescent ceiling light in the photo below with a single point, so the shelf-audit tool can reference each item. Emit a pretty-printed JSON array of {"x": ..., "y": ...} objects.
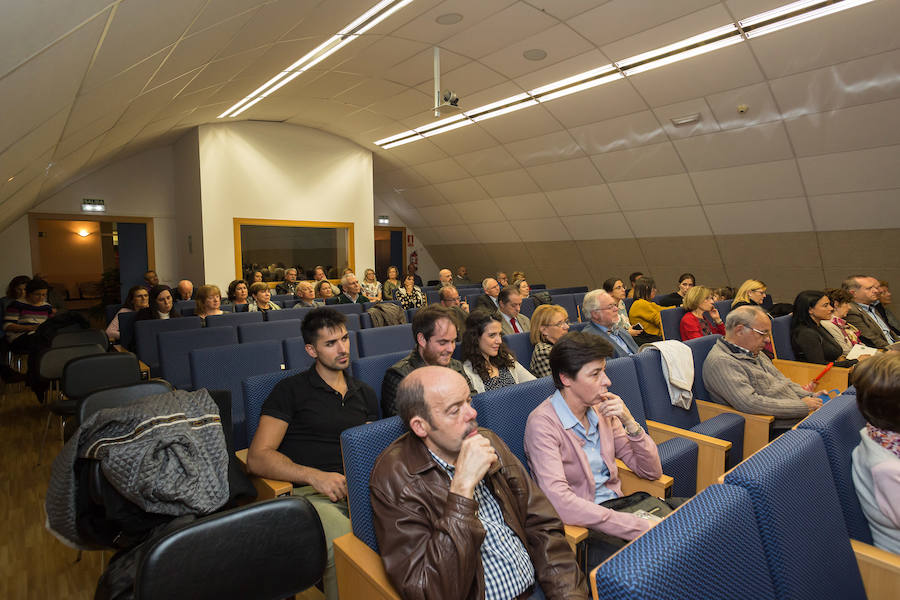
[
  {"x": 351, "y": 32},
  {"x": 709, "y": 41}
]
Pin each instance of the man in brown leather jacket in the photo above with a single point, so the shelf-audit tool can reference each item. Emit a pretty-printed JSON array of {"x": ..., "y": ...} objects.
[{"x": 456, "y": 514}]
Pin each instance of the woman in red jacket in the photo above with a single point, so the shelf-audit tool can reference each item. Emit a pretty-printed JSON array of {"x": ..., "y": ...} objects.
[{"x": 698, "y": 302}]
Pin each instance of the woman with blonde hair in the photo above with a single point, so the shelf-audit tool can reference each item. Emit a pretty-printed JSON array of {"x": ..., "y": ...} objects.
[
  {"x": 209, "y": 301},
  {"x": 548, "y": 323},
  {"x": 751, "y": 293},
  {"x": 371, "y": 287},
  {"x": 698, "y": 302}
]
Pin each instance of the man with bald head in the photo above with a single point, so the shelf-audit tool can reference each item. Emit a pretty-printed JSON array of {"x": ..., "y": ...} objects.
[
  {"x": 603, "y": 311},
  {"x": 874, "y": 329},
  {"x": 737, "y": 374},
  {"x": 445, "y": 277},
  {"x": 456, "y": 514},
  {"x": 488, "y": 300},
  {"x": 184, "y": 291}
]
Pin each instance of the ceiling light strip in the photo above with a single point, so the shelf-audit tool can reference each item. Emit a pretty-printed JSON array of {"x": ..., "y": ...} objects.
[
  {"x": 709, "y": 41},
  {"x": 349, "y": 33}
]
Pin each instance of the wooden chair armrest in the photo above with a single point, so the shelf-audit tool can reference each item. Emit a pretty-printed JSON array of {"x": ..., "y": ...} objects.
[
  {"x": 265, "y": 488},
  {"x": 575, "y": 534},
  {"x": 711, "y": 451},
  {"x": 631, "y": 483},
  {"x": 360, "y": 572},
  {"x": 880, "y": 570},
  {"x": 756, "y": 427},
  {"x": 802, "y": 373}
]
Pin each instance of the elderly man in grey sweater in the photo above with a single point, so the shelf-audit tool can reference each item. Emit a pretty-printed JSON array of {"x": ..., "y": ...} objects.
[{"x": 737, "y": 374}]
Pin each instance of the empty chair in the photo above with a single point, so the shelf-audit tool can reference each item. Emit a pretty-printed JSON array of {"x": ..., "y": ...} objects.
[
  {"x": 235, "y": 319},
  {"x": 527, "y": 307},
  {"x": 715, "y": 457},
  {"x": 520, "y": 345},
  {"x": 798, "y": 513},
  {"x": 117, "y": 396},
  {"x": 781, "y": 337},
  {"x": 85, "y": 337},
  {"x": 838, "y": 423},
  {"x": 567, "y": 301},
  {"x": 671, "y": 323},
  {"x": 692, "y": 553},
  {"x": 176, "y": 346},
  {"x": 145, "y": 333},
  {"x": 87, "y": 374},
  {"x": 256, "y": 390},
  {"x": 347, "y": 308},
  {"x": 278, "y": 330},
  {"x": 266, "y": 550},
  {"x": 225, "y": 367},
  {"x": 287, "y": 315},
  {"x": 371, "y": 369},
  {"x": 384, "y": 340}
]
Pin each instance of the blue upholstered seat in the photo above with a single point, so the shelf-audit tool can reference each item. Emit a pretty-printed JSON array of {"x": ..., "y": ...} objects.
[
  {"x": 671, "y": 323},
  {"x": 709, "y": 548},
  {"x": 126, "y": 328},
  {"x": 186, "y": 305},
  {"x": 798, "y": 514},
  {"x": 225, "y": 367},
  {"x": 700, "y": 347},
  {"x": 384, "y": 340},
  {"x": 276, "y": 330},
  {"x": 287, "y": 314},
  {"x": 658, "y": 407},
  {"x": 347, "y": 308},
  {"x": 724, "y": 307},
  {"x": 361, "y": 447},
  {"x": 678, "y": 455},
  {"x": 370, "y": 369},
  {"x": 255, "y": 390},
  {"x": 567, "y": 301},
  {"x": 838, "y": 423},
  {"x": 234, "y": 319},
  {"x": 781, "y": 337},
  {"x": 527, "y": 307},
  {"x": 520, "y": 345},
  {"x": 175, "y": 346},
  {"x": 145, "y": 335}
]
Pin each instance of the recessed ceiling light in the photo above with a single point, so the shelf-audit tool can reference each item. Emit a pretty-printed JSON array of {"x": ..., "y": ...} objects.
[
  {"x": 535, "y": 54},
  {"x": 686, "y": 120},
  {"x": 449, "y": 19}
]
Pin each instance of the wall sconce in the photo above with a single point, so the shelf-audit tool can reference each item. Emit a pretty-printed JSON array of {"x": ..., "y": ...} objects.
[{"x": 83, "y": 233}]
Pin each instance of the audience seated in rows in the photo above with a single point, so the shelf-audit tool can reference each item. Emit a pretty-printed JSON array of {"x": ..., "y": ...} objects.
[
  {"x": 449, "y": 297},
  {"x": 411, "y": 269},
  {"x": 549, "y": 322},
  {"x": 615, "y": 288},
  {"x": 462, "y": 275},
  {"x": 161, "y": 305},
  {"x": 632, "y": 278},
  {"x": 445, "y": 277},
  {"x": 306, "y": 296},
  {"x": 521, "y": 286},
  {"x": 573, "y": 439},
  {"x": 352, "y": 291},
  {"x": 238, "y": 292},
  {"x": 209, "y": 301},
  {"x": 603, "y": 311},
  {"x": 456, "y": 514},
  {"x": 698, "y": 302},
  {"x": 751, "y": 293},
  {"x": 371, "y": 287},
  {"x": 645, "y": 312},
  {"x": 434, "y": 332},
  {"x": 256, "y": 277},
  {"x": 845, "y": 334},
  {"x": 319, "y": 276},
  {"x": 876, "y": 461},
  {"x": 810, "y": 341},
  {"x": 289, "y": 285},
  {"x": 298, "y": 437},
  {"x": 324, "y": 289},
  {"x": 261, "y": 298},
  {"x": 487, "y": 360},
  {"x": 138, "y": 298},
  {"x": 501, "y": 280},
  {"x": 736, "y": 373},
  {"x": 488, "y": 300},
  {"x": 410, "y": 295},
  {"x": 685, "y": 282},
  {"x": 183, "y": 291},
  {"x": 391, "y": 283},
  {"x": 151, "y": 280},
  {"x": 20, "y": 324},
  {"x": 873, "y": 326},
  {"x": 510, "y": 303}
]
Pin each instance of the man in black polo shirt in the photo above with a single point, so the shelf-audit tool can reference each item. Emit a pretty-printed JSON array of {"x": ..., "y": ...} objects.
[{"x": 298, "y": 438}]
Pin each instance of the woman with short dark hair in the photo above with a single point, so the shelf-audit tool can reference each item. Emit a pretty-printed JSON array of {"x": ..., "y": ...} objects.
[
  {"x": 138, "y": 298},
  {"x": 161, "y": 305},
  {"x": 238, "y": 292},
  {"x": 261, "y": 298},
  {"x": 645, "y": 312},
  {"x": 409, "y": 294},
  {"x": 845, "y": 334},
  {"x": 487, "y": 360}
]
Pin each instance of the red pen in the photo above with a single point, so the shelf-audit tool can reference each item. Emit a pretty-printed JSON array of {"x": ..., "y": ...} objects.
[{"x": 822, "y": 374}]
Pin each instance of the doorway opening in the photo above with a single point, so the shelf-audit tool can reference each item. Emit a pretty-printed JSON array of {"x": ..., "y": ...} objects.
[{"x": 390, "y": 250}]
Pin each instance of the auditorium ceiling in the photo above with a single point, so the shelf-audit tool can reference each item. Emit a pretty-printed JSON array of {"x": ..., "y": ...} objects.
[{"x": 794, "y": 131}]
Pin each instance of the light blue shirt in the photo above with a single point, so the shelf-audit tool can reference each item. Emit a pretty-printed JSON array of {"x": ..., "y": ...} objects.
[
  {"x": 591, "y": 445},
  {"x": 615, "y": 337}
]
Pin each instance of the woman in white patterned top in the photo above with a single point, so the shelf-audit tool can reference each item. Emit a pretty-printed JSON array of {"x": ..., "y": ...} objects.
[{"x": 371, "y": 287}]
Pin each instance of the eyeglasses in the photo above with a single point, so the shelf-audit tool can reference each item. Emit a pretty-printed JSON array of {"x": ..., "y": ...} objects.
[
  {"x": 763, "y": 292},
  {"x": 560, "y": 323},
  {"x": 762, "y": 333},
  {"x": 610, "y": 307}
]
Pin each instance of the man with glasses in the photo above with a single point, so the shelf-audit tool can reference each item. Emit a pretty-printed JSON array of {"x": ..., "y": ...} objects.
[
  {"x": 604, "y": 313},
  {"x": 736, "y": 373},
  {"x": 488, "y": 300},
  {"x": 449, "y": 296}
]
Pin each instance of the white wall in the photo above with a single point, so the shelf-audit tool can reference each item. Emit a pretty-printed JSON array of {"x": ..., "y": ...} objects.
[
  {"x": 188, "y": 242},
  {"x": 15, "y": 259},
  {"x": 139, "y": 186},
  {"x": 277, "y": 171}
]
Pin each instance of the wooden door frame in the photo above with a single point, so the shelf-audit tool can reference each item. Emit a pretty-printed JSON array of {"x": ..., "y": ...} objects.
[{"x": 402, "y": 229}]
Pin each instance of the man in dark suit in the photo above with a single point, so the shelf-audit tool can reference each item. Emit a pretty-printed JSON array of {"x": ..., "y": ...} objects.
[
  {"x": 488, "y": 300},
  {"x": 604, "y": 312},
  {"x": 874, "y": 330}
]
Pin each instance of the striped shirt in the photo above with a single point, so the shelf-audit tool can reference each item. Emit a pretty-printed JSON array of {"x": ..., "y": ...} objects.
[
  {"x": 507, "y": 567},
  {"x": 22, "y": 313}
]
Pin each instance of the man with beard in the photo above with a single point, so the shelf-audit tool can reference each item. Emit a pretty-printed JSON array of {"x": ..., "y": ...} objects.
[
  {"x": 298, "y": 438},
  {"x": 434, "y": 328},
  {"x": 456, "y": 514}
]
